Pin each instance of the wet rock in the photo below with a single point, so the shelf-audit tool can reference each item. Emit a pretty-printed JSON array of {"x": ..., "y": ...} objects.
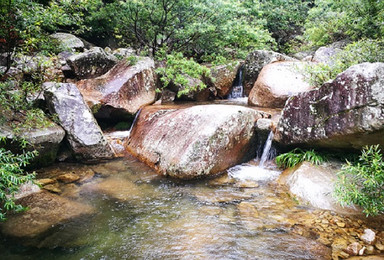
[
  {"x": 68, "y": 178},
  {"x": 223, "y": 78},
  {"x": 277, "y": 82},
  {"x": 45, "y": 181},
  {"x": 83, "y": 133},
  {"x": 55, "y": 187},
  {"x": 26, "y": 189},
  {"x": 121, "y": 91},
  {"x": 353, "y": 249},
  {"x": 314, "y": 185},
  {"x": 118, "y": 140},
  {"x": 253, "y": 64},
  {"x": 216, "y": 196},
  {"x": 368, "y": 237},
  {"x": 69, "y": 41},
  {"x": 221, "y": 180},
  {"x": 46, "y": 211},
  {"x": 91, "y": 63},
  {"x": 379, "y": 246},
  {"x": 45, "y": 140},
  {"x": 187, "y": 143},
  {"x": 345, "y": 113},
  {"x": 71, "y": 191},
  {"x": 86, "y": 176}
]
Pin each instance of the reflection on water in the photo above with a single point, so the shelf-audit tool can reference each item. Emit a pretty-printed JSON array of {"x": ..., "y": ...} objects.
[{"x": 140, "y": 215}]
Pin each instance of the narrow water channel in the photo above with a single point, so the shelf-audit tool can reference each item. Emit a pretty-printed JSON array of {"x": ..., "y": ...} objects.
[{"x": 140, "y": 215}]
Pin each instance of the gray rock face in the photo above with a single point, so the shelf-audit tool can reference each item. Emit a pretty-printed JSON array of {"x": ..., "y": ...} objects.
[
  {"x": 196, "y": 141},
  {"x": 124, "y": 89},
  {"x": 223, "y": 77},
  {"x": 69, "y": 41},
  {"x": 91, "y": 64},
  {"x": 328, "y": 53},
  {"x": 277, "y": 82},
  {"x": 345, "y": 113},
  {"x": 253, "y": 64},
  {"x": 45, "y": 140},
  {"x": 83, "y": 133}
]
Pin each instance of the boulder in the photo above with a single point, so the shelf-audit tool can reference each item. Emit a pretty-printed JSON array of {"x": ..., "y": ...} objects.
[
  {"x": 45, "y": 140},
  {"x": 345, "y": 113},
  {"x": 123, "y": 90},
  {"x": 327, "y": 54},
  {"x": 314, "y": 185},
  {"x": 83, "y": 133},
  {"x": 195, "y": 141},
  {"x": 69, "y": 41},
  {"x": 253, "y": 64},
  {"x": 195, "y": 93},
  {"x": 222, "y": 78},
  {"x": 91, "y": 64},
  {"x": 46, "y": 213},
  {"x": 277, "y": 82}
]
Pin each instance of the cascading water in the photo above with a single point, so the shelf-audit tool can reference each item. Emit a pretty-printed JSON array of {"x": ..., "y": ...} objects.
[
  {"x": 134, "y": 120},
  {"x": 237, "y": 88},
  {"x": 267, "y": 150}
]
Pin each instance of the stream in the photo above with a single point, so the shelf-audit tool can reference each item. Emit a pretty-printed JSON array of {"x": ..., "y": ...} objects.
[{"x": 140, "y": 215}]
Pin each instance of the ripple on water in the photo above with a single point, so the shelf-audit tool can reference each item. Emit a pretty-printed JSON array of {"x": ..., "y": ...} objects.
[{"x": 248, "y": 172}]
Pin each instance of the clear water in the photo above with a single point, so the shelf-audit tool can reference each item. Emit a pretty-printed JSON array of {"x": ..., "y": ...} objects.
[{"x": 145, "y": 216}]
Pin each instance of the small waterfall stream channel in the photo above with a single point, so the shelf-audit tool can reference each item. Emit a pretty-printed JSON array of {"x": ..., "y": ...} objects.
[{"x": 137, "y": 214}]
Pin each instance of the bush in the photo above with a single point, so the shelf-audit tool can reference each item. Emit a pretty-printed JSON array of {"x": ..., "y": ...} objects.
[
  {"x": 362, "y": 183},
  {"x": 12, "y": 176},
  {"x": 358, "y": 52},
  {"x": 296, "y": 156}
]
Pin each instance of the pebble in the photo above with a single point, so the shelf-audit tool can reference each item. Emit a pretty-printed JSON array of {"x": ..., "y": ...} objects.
[
  {"x": 369, "y": 237},
  {"x": 353, "y": 249},
  {"x": 340, "y": 224}
]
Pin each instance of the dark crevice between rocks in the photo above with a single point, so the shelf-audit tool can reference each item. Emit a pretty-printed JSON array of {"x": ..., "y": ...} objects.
[{"x": 113, "y": 119}]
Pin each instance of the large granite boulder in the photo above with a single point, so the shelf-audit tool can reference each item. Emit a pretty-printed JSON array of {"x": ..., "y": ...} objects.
[
  {"x": 277, "y": 82},
  {"x": 45, "y": 140},
  {"x": 314, "y": 185},
  {"x": 69, "y": 41},
  {"x": 195, "y": 141},
  {"x": 345, "y": 113},
  {"x": 46, "y": 213},
  {"x": 123, "y": 90},
  {"x": 83, "y": 133},
  {"x": 255, "y": 61},
  {"x": 327, "y": 54},
  {"x": 91, "y": 63}
]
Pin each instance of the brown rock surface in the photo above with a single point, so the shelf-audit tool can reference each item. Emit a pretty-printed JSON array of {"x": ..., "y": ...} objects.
[{"x": 196, "y": 141}]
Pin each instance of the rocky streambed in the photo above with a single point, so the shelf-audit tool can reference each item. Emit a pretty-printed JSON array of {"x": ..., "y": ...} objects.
[{"x": 122, "y": 209}]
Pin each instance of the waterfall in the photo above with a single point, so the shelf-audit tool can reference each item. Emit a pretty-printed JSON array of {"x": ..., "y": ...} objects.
[
  {"x": 237, "y": 88},
  {"x": 266, "y": 150},
  {"x": 134, "y": 120}
]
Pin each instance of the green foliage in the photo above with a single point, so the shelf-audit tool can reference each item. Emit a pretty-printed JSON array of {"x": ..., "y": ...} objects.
[
  {"x": 122, "y": 126},
  {"x": 297, "y": 155},
  {"x": 362, "y": 183},
  {"x": 330, "y": 21},
  {"x": 354, "y": 53},
  {"x": 181, "y": 72},
  {"x": 132, "y": 60},
  {"x": 12, "y": 176}
]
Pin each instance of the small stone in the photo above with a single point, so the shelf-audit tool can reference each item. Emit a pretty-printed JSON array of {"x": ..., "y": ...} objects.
[
  {"x": 379, "y": 246},
  {"x": 324, "y": 221},
  {"x": 68, "y": 178},
  {"x": 247, "y": 184},
  {"x": 370, "y": 250},
  {"x": 361, "y": 252},
  {"x": 52, "y": 188},
  {"x": 353, "y": 249},
  {"x": 87, "y": 176},
  {"x": 45, "y": 181},
  {"x": 340, "y": 224},
  {"x": 369, "y": 237}
]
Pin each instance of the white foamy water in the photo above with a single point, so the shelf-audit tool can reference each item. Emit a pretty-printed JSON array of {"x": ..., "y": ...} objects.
[{"x": 248, "y": 172}]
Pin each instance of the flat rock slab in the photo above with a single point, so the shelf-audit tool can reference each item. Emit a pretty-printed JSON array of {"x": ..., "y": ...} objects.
[
  {"x": 196, "y": 141},
  {"x": 46, "y": 211}
]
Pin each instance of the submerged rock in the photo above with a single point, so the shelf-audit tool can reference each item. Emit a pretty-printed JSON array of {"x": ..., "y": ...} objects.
[
  {"x": 345, "y": 113},
  {"x": 255, "y": 61},
  {"x": 123, "y": 90},
  {"x": 196, "y": 141},
  {"x": 92, "y": 63},
  {"x": 46, "y": 211},
  {"x": 83, "y": 133},
  {"x": 277, "y": 82}
]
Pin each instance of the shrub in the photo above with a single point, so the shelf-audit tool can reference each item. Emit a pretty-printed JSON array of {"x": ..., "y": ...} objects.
[
  {"x": 12, "y": 176},
  {"x": 296, "y": 156},
  {"x": 362, "y": 183},
  {"x": 357, "y": 52}
]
